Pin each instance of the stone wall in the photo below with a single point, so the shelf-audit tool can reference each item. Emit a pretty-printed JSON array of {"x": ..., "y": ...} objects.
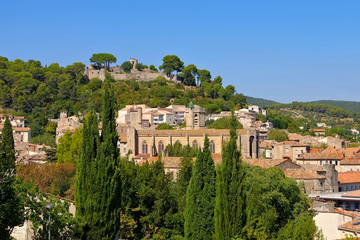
[
  {"x": 145, "y": 75},
  {"x": 247, "y": 140}
]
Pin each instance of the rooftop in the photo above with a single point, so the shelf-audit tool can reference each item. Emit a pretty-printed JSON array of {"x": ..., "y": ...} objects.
[{"x": 349, "y": 177}]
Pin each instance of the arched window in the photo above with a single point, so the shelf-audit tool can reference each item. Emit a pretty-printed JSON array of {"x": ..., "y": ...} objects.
[
  {"x": 212, "y": 147},
  {"x": 194, "y": 144},
  {"x": 144, "y": 147},
  {"x": 161, "y": 147}
]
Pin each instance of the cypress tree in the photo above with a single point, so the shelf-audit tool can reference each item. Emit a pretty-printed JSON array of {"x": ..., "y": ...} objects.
[
  {"x": 200, "y": 197},
  {"x": 230, "y": 206},
  {"x": 11, "y": 209},
  {"x": 86, "y": 170},
  {"x": 106, "y": 200}
]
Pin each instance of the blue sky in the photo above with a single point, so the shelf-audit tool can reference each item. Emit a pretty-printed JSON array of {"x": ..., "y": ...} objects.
[{"x": 280, "y": 50}]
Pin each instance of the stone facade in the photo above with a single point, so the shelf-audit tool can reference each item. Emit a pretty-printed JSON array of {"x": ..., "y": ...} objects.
[
  {"x": 151, "y": 143},
  {"x": 118, "y": 74}
]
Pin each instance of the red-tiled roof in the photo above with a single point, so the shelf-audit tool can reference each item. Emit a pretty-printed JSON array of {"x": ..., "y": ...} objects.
[
  {"x": 355, "y": 193},
  {"x": 302, "y": 173},
  {"x": 351, "y": 226},
  {"x": 143, "y": 156},
  {"x": 349, "y": 177}
]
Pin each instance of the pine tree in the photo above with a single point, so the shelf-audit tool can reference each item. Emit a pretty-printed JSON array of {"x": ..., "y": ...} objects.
[
  {"x": 200, "y": 197},
  {"x": 230, "y": 205},
  {"x": 11, "y": 209}
]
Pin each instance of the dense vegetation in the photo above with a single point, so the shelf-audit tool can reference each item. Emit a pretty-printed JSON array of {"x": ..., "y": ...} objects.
[
  {"x": 42, "y": 92},
  {"x": 115, "y": 197},
  {"x": 260, "y": 101},
  {"x": 317, "y": 109},
  {"x": 347, "y": 105}
]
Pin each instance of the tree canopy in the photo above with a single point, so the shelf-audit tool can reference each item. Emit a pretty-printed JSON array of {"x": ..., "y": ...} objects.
[
  {"x": 171, "y": 63},
  {"x": 100, "y": 60}
]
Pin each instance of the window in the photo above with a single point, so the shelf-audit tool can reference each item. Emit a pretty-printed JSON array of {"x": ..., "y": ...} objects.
[
  {"x": 320, "y": 162},
  {"x": 286, "y": 150},
  {"x": 194, "y": 144},
  {"x": 212, "y": 147},
  {"x": 144, "y": 147},
  {"x": 296, "y": 151},
  {"x": 302, "y": 151},
  {"x": 161, "y": 147}
]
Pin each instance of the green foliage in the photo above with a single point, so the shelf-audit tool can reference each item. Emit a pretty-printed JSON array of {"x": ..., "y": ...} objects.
[
  {"x": 260, "y": 101},
  {"x": 178, "y": 150},
  {"x": 63, "y": 224},
  {"x": 302, "y": 227},
  {"x": 153, "y": 68},
  {"x": 140, "y": 66},
  {"x": 11, "y": 208},
  {"x": 127, "y": 66},
  {"x": 69, "y": 146},
  {"x": 99, "y": 206},
  {"x": 171, "y": 63},
  {"x": 277, "y": 135},
  {"x": 316, "y": 108},
  {"x": 230, "y": 206},
  {"x": 200, "y": 197},
  {"x": 182, "y": 181},
  {"x": 204, "y": 76},
  {"x": 272, "y": 203},
  {"x": 189, "y": 74},
  {"x": 46, "y": 138},
  {"x": 102, "y": 60},
  {"x": 162, "y": 126},
  {"x": 347, "y": 105},
  {"x": 225, "y": 123}
]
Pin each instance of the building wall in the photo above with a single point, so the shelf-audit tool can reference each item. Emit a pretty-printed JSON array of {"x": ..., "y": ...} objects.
[
  {"x": 247, "y": 140},
  {"x": 328, "y": 222}
]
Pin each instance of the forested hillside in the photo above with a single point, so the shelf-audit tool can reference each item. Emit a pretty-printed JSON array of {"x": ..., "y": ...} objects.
[
  {"x": 42, "y": 92},
  {"x": 314, "y": 110},
  {"x": 347, "y": 105},
  {"x": 260, "y": 101}
]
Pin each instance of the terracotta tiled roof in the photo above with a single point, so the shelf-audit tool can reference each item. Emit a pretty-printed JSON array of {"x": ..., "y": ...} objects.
[
  {"x": 267, "y": 163},
  {"x": 122, "y": 137},
  {"x": 353, "y": 225},
  {"x": 355, "y": 193},
  {"x": 293, "y": 144},
  {"x": 349, "y": 177},
  {"x": 346, "y": 213},
  {"x": 143, "y": 156},
  {"x": 294, "y": 136},
  {"x": 302, "y": 173},
  {"x": 315, "y": 150},
  {"x": 327, "y": 154}
]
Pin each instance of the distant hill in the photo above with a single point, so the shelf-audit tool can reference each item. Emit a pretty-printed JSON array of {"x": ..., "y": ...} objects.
[
  {"x": 347, "y": 105},
  {"x": 260, "y": 101}
]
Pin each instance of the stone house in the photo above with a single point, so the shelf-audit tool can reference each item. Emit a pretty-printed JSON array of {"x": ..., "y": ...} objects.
[{"x": 289, "y": 149}]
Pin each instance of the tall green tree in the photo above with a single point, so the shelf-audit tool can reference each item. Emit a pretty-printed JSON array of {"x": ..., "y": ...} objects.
[
  {"x": 11, "y": 209},
  {"x": 230, "y": 205},
  {"x": 189, "y": 74},
  {"x": 171, "y": 63},
  {"x": 200, "y": 197},
  {"x": 107, "y": 206},
  {"x": 86, "y": 185}
]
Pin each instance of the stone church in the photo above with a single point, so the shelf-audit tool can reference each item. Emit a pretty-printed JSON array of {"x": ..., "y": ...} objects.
[{"x": 143, "y": 143}]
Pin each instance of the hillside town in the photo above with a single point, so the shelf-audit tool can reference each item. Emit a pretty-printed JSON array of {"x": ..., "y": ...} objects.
[{"x": 326, "y": 167}]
